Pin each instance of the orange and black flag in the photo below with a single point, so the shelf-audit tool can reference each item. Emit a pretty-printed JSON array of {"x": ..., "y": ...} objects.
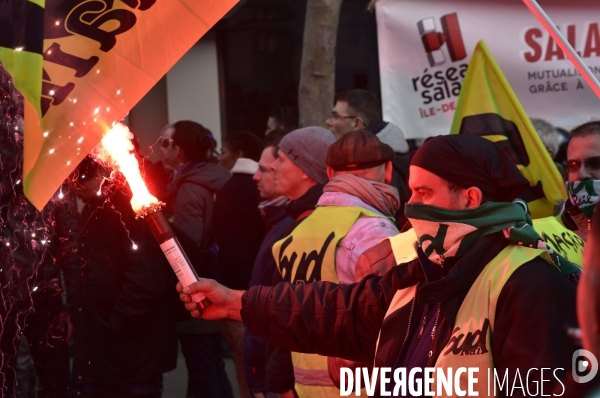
[
  {"x": 83, "y": 64},
  {"x": 488, "y": 107}
]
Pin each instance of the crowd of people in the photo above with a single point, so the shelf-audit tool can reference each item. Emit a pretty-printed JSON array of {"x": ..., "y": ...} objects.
[{"x": 319, "y": 248}]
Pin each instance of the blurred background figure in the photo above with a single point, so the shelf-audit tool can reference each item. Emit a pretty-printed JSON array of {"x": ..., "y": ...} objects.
[
  {"x": 282, "y": 118},
  {"x": 190, "y": 209},
  {"x": 552, "y": 140},
  {"x": 239, "y": 231}
]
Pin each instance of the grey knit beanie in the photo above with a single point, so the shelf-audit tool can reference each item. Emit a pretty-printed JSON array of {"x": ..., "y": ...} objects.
[{"x": 307, "y": 148}]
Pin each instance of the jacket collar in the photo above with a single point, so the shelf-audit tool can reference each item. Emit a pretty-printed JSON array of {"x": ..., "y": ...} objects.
[
  {"x": 273, "y": 215},
  {"x": 458, "y": 273},
  {"x": 344, "y": 199},
  {"x": 187, "y": 167},
  {"x": 306, "y": 202},
  {"x": 245, "y": 166},
  {"x": 390, "y": 134}
]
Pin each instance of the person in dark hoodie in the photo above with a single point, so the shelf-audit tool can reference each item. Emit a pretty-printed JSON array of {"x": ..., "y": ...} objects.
[
  {"x": 190, "y": 208},
  {"x": 239, "y": 230},
  {"x": 269, "y": 370},
  {"x": 190, "y": 203}
]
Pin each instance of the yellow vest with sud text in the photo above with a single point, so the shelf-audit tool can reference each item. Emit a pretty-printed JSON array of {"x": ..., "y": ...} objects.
[
  {"x": 308, "y": 255},
  {"x": 470, "y": 343}
]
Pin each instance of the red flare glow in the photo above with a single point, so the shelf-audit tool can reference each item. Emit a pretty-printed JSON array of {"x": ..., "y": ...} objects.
[{"x": 117, "y": 148}]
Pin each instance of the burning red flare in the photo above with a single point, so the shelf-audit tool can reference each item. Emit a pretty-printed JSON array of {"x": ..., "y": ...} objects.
[{"x": 117, "y": 146}]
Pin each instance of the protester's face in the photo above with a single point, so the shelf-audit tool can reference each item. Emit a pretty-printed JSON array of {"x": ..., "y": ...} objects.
[
  {"x": 341, "y": 121},
  {"x": 288, "y": 176},
  {"x": 227, "y": 158},
  {"x": 583, "y": 158},
  {"x": 271, "y": 125},
  {"x": 166, "y": 150},
  {"x": 265, "y": 176},
  {"x": 429, "y": 189}
]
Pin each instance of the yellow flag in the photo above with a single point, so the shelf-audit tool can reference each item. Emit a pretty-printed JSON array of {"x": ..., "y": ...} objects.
[
  {"x": 100, "y": 57},
  {"x": 21, "y": 46},
  {"x": 488, "y": 107}
]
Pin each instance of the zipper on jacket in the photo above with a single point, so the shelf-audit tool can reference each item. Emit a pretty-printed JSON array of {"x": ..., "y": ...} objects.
[
  {"x": 415, "y": 342},
  {"x": 412, "y": 309},
  {"x": 423, "y": 323}
]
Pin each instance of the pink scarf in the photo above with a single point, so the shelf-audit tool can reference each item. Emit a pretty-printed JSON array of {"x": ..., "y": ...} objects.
[{"x": 381, "y": 196}]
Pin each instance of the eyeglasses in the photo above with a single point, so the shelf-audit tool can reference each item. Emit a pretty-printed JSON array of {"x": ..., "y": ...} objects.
[
  {"x": 334, "y": 115},
  {"x": 591, "y": 164},
  {"x": 165, "y": 142}
]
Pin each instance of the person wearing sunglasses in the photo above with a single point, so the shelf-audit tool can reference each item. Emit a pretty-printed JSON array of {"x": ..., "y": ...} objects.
[{"x": 583, "y": 186}]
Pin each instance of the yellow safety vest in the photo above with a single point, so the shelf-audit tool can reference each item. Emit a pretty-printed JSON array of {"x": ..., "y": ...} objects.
[
  {"x": 308, "y": 255},
  {"x": 475, "y": 317},
  {"x": 470, "y": 343}
]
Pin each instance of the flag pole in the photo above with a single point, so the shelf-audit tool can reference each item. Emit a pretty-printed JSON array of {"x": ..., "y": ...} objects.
[{"x": 564, "y": 45}]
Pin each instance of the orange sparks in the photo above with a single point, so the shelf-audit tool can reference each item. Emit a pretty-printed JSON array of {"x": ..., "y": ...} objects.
[{"x": 117, "y": 144}]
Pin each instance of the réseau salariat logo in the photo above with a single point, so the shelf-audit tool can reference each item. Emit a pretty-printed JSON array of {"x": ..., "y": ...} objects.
[
  {"x": 434, "y": 40},
  {"x": 469, "y": 344}
]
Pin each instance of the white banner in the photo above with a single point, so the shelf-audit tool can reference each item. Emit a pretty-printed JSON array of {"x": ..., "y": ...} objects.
[{"x": 425, "y": 46}]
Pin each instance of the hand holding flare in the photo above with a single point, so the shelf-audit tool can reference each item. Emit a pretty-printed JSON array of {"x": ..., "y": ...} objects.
[{"x": 116, "y": 147}]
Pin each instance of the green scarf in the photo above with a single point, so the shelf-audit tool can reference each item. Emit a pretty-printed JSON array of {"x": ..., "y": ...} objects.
[
  {"x": 445, "y": 233},
  {"x": 584, "y": 194}
]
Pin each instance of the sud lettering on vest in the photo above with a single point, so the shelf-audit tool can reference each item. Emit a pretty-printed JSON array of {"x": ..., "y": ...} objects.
[
  {"x": 470, "y": 343},
  {"x": 476, "y": 316},
  {"x": 473, "y": 343},
  {"x": 308, "y": 255},
  {"x": 308, "y": 268}
]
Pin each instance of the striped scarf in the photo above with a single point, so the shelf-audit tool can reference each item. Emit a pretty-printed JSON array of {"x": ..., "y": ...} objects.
[{"x": 445, "y": 233}]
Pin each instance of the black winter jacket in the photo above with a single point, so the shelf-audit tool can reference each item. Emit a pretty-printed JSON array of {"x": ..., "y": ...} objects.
[
  {"x": 534, "y": 311},
  {"x": 239, "y": 230},
  {"x": 124, "y": 325}
]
